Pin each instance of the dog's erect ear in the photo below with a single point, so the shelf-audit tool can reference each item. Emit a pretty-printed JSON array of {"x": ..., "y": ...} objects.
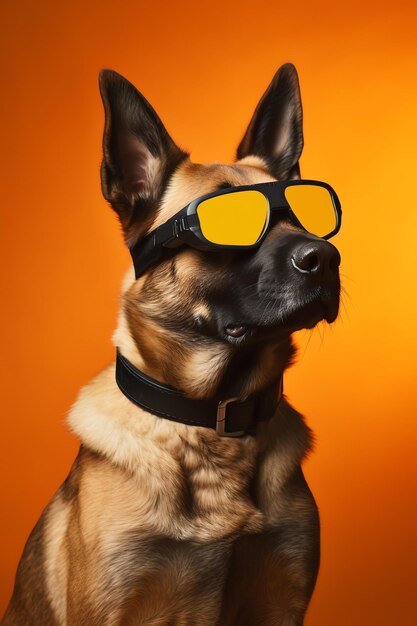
[
  {"x": 139, "y": 156},
  {"x": 275, "y": 132}
]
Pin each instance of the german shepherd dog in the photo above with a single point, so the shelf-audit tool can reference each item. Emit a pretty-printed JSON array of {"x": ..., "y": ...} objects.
[{"x": 161, "y": 522}]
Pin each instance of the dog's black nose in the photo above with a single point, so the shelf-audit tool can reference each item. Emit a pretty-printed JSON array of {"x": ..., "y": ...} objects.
[{"x": 320, "y": 259}]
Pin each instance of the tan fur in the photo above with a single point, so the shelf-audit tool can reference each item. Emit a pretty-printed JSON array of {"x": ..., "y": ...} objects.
[{"x": 55, "y": 555}]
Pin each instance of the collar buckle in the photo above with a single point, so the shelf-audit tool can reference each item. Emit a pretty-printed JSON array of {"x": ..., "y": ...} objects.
[{"x": 221, "y": 420}]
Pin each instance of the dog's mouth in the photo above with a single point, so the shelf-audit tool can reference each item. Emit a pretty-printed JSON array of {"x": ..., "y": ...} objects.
[{"x": 285, "y": 321}]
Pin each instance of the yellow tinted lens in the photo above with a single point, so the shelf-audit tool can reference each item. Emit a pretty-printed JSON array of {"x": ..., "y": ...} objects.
[
  {"x": 313, "y": 207},
  {"x": 234, "y": 219}
]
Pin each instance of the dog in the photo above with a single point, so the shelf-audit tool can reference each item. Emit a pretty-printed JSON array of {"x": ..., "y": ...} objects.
[{"x": 164, "y": 521}]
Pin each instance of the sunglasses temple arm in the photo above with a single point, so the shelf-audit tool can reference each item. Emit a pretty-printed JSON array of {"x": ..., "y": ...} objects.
[{"x": 147, "y": 251}]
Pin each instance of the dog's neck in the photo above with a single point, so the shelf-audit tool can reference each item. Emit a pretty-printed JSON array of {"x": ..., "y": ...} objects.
[{"x": 206, "y": 370}]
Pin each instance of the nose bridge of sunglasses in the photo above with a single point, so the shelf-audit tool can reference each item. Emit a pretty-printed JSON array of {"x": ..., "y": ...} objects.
[{"x": 274, "y": 193}]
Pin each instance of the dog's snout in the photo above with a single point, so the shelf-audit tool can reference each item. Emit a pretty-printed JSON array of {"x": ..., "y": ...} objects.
[{"x": 319, "y": 259}]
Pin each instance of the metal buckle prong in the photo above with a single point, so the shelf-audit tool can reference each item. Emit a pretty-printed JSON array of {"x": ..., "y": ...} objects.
[{"x": 221, "y": 419}]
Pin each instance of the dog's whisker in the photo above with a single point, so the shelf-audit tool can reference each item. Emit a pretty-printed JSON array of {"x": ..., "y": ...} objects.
[
  {"x": 345, "y": 309},
  {"x": 345, "y": 291},
  {"x": 342, "y": 275},
  {"x": 321, "y": 330},
  {"x": 309, "y": 334}
]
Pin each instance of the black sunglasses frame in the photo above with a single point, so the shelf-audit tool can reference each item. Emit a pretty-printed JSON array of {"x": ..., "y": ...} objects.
[{"x": 184, "y": 226}]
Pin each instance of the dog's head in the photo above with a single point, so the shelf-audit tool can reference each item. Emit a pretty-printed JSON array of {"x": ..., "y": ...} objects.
[{"x": 213, "y": 321}]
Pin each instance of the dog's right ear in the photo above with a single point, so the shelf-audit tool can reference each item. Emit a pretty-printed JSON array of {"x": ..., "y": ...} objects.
[{"x": 139, "y": 156}]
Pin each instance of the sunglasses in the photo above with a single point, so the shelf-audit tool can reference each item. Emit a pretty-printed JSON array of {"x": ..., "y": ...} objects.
[{"x": 240, "y": 217}]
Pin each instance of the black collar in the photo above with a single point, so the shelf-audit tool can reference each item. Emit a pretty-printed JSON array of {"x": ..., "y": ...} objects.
[{"x": 229, "y": 417}]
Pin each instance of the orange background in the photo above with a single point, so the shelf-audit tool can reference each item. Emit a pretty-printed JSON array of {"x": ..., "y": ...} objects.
[{"x": 204, "y": 65}]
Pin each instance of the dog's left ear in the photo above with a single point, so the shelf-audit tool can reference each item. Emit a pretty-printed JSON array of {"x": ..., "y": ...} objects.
[
  {"x": 139, "y": 156},
  {"x": 275, "y": 132}
]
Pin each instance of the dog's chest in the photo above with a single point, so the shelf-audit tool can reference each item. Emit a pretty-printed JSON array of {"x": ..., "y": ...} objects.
[
  {"x": 197, "y": 535},
  {"x": 166, "y": 581}
]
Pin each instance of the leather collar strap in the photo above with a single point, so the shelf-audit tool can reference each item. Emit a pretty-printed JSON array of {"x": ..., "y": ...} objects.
[{"x": 230, "y": 417}]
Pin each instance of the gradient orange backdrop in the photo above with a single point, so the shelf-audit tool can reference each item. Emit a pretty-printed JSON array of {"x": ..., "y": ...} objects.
[{"x": 204, "y": 65}]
